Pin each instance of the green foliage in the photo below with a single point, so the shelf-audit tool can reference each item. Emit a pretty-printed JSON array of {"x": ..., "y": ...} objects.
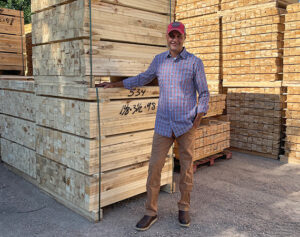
[{"x": 22, "y": 5}]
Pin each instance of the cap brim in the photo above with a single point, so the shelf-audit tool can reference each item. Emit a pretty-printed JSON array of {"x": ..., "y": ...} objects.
[{"x": 176, "y": 30}]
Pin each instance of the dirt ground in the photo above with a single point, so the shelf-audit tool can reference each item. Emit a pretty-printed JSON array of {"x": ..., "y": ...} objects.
[{"x": 245, "y": 196}]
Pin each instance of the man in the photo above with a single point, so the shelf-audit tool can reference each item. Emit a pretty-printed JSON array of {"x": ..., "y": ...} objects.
[{"x": 180, "y": 74}]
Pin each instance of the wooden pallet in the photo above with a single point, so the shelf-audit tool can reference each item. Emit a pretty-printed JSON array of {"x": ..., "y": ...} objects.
[{"x": 210, "y": 160}]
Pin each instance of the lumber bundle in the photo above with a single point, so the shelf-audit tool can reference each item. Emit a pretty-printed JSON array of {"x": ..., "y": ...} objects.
[
  {"x": 292, "y": 124},
  {"x": 125, "y": 38},
  {"x": 211, "y": 137},
  {"x": 17, "y": 123},
  {"x": 252, "y": 46},
  {"x": 203, "y": 40},
  {"x": 291, "y": 79},
  {"x": 12, "y": 42},
  {"x": 255, "y": 115},
  {"x": 291, "y": 59},
  {"x": 191, "y": 8}
]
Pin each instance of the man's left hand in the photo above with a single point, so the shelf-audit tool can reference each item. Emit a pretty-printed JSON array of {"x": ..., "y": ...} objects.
[{"x": 197, "y": 120}]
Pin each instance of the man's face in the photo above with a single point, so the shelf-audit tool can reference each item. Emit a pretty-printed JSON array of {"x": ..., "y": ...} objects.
[{"x": 175, "y": 41}]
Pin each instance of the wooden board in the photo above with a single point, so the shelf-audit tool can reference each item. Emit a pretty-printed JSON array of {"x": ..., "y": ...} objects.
[
  {"x": 82, "y": 154},
  {"x": 18, "y": 156},
  {"x": 18, "y": 131},
  {"x": 159, "y": 6},
  {"x": 11, "y": 22},
  {"x": 82, "y": 190},
  {"x": 15, "y": 83},
  {"x": 72, "y": 21},
  {"x": 23, "y": 104},
  {"x": 109, "y": 59}
]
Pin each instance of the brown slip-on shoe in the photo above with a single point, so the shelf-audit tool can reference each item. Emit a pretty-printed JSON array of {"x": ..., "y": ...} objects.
[
  {"x": 184, "y": 218},
  {"x": 145, "y": 223}
]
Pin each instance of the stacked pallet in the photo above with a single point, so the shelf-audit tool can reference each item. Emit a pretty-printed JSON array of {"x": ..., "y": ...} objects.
[
  {"x": 29, "y": 69},
  {"x": 79, "y": 150},
  {"x": 203, "y": 40},
  {"x": 252, "y": 46},
  {"x": 17, "y": 123},
  {"x": 291, "y": 79},
  {"x": 211, "y": 137},
  {"x": 12, "y": 42},
  {"x": 256, "y": 116},
  {"x": 252, "y": 39},
  {"x": 203, "y": 36}
]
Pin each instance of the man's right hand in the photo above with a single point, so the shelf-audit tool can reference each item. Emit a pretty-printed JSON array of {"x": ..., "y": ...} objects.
[{"x": 110, "y": 84}]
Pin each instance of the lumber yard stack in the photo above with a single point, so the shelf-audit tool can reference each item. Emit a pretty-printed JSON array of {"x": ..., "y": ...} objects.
[
  {"x": 17, "y": 123},
  {"x": 71, "y": 137},
  {"x": 203, "y": 39},
  {"x": 12, "y": 42},
  {"x": 291, "y": 80},
  {"x": 203, "y": 36},
  {"x": 252, "y": 38}
]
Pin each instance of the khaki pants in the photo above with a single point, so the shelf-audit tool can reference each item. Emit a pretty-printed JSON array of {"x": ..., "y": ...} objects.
[{"x": 160, "y": 148}]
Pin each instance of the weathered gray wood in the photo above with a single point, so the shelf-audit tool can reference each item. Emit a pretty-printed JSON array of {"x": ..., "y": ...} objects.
[
  {"x": 18, "y": 130},
  {"x": 19, "y": 157}
]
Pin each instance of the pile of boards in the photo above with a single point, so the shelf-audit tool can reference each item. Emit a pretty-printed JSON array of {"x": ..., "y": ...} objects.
[
  {"x": 203, "y": 36},
  {"x": 291, "y": 80},
  {"x": 79, "y": 150},
  {"x": 17, "y": 123},
  {"x": 12, "y": 42},
  {"x": 241, "y": 45}
]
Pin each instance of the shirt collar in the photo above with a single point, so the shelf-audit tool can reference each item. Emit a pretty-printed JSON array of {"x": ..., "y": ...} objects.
[{"x": 183, "y": 54}]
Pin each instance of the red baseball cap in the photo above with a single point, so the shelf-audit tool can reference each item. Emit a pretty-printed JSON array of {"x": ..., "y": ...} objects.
[{"x": 176, "y": 25}]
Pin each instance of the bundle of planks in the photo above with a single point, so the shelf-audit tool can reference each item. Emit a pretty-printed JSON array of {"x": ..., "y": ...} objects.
[
  {"x": 256, "y": 117},
  {"x": 291, "y": 79},
  {"x": 17, "y": 123},
  {"x": 77, "y": 150},
  {"x": 12, "y": 42},
  {"x": 211, "y": 137},
  {"x": 252, "y": 38},
  {"x": 252, "y": 46},
  {"x": 203, "y": 36}
]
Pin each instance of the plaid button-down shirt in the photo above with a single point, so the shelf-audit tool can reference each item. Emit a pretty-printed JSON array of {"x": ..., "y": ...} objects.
[{"x": 179, "y": 78}]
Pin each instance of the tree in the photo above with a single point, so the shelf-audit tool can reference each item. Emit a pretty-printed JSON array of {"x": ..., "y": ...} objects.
[{"x": 22, "y": 5}]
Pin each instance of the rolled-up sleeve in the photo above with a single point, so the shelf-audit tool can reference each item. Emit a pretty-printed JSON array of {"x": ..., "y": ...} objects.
[
  {"x": 201, "y": 87},
  {"x": 143, "y": 78}
]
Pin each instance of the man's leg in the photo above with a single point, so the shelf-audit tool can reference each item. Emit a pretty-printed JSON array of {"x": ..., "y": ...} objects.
[
  {"x": 160, "y": 148},
  {"x": 186, "y": 144}
]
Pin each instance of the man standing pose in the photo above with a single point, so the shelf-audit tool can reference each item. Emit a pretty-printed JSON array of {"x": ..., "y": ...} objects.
[{"x": 180, "y": 74}]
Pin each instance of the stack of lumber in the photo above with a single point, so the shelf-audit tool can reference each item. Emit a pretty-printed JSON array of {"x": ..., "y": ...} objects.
[
  {"x": 252, "y": 46},
  {"x": 231, "y": 4},
  {"x": 256, "y": 115},
  {"x": 203, "y": 40},
  {"x": 70, "y": 144},
  {"x": 125, "y": 38},
  {"x": 211, "y": 137},
  {"x": 12, "y": 42},
  {"x": 29, "y": 69},
  {"x": 191, "y": 8},
  {"x": 17, "y": 123},
  {"x": 291, "y": 79},
  {"x": 203, "y": 36}
]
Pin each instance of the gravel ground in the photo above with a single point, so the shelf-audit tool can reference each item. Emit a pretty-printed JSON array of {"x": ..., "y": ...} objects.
[{"x": 245, "y": 196}]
